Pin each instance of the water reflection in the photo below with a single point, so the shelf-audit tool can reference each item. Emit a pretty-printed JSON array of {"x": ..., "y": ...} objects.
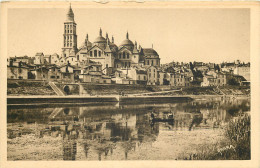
[{"x": 98, "y": 132}]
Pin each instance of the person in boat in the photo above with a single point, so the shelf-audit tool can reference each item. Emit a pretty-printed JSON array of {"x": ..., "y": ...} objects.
[{"x": 152, "y": 115}]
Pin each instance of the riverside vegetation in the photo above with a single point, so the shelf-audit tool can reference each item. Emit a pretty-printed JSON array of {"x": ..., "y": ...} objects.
[{"x": 235, "y": 147}]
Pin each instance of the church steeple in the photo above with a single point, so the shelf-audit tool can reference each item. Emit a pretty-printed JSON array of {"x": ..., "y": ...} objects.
[
  {"x": 100, "y": 32},
  {"x": 69, "y": 36},
  {"x": 70, "y": 15},
  {"x": 112, "y": 39},
  {"x": 127, "y": 36}
]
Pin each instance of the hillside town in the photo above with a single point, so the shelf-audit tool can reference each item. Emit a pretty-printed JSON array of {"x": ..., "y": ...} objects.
[{"x": 103, "y": 62}]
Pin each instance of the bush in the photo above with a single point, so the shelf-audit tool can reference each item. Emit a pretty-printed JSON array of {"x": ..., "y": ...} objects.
[
  {"x": 236, "y": 148},
  {"x": 238, "y": 132}
]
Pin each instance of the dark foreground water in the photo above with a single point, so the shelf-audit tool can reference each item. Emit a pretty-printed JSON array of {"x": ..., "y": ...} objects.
[{"x": 119, "y": 132}]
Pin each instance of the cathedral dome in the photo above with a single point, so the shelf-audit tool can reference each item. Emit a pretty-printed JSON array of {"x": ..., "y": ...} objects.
[
  {"x": 100, "y": 39},
  {"x": 150, "y": 52},
  {"x": 127, "y": 42}
]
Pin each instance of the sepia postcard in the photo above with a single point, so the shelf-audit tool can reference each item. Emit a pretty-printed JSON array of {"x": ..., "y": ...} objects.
[{"x": 130, "y": 84}]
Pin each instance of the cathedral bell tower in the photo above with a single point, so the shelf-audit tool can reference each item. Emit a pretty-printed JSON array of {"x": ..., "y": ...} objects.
[{"x": 69, "y": 37}]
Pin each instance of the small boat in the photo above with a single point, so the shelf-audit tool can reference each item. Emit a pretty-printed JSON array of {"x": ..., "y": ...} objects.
[{"x": 167, "y": 117}]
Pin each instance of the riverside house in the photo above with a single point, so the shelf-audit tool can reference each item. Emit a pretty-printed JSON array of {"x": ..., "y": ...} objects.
[{"x": 17, "y": 72}]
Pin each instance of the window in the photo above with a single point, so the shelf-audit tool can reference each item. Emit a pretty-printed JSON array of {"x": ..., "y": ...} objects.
[
  {"x": 152, "y": 62},
  {"x": 105, "y": 81},
  {"x": 20, "y": 70},
  {"x": 78, "y": 57},
  {"x": 139, "y": 77},
  {"x": 70, "y": 44},
  {"x": 123, "y": 55},
  {"x": 157, "y": 62},
  {"x": 127, "y": 55},
  {"x": 90, "y": 53},
  {"x": 95, "y": 53},
  {"x": 144, "y": 78},
  {"x": 148, "y": 63},
  {"x": 99, "y": 53}
]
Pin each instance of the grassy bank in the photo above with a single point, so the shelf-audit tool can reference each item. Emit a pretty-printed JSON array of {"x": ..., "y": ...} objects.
[{"x": 235, "y": 147}]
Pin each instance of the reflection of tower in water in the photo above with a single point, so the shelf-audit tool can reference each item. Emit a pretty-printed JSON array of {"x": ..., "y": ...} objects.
[{"x": 69, "y": 150}]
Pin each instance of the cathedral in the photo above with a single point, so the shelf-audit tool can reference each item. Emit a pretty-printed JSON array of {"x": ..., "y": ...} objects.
[{"x": 104, "y": 50}]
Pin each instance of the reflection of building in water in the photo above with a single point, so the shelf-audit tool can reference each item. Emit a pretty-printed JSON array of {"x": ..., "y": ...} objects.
[
  {"x": 69, "y": 150},
  {"x": 146, "y": 131}
]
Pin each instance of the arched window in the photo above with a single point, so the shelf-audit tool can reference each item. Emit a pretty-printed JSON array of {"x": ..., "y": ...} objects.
[
  {"x": 95, "y": 53},
  {"x": 78, "y": 57},
  {"x": 127, "y": 55},
  {"x": 123, "y": 55}
]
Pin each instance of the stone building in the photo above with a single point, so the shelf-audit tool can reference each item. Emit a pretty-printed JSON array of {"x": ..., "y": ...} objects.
[
  {"x": 104, "y": 50},
  {"x": 243, "y": 70},
  {"x": 17, "y": 72},
  {"x": 39, "y": 58}
]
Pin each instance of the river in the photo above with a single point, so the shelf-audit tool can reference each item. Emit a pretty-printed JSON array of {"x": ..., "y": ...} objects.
[{"x": 118, "y": 132}]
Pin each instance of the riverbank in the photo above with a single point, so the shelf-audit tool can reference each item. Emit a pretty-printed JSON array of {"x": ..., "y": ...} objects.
[
  {"x": 32, "y": 87},
  {"x": 235, "y": 146},
  {"x": 90, "y": 100}
]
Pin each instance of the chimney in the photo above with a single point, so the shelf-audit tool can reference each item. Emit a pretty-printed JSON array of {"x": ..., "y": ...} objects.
[{"x": 11, "y": 62}]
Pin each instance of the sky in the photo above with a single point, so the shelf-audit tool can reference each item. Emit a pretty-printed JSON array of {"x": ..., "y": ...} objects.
[{"x": 184, "y": 35}]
